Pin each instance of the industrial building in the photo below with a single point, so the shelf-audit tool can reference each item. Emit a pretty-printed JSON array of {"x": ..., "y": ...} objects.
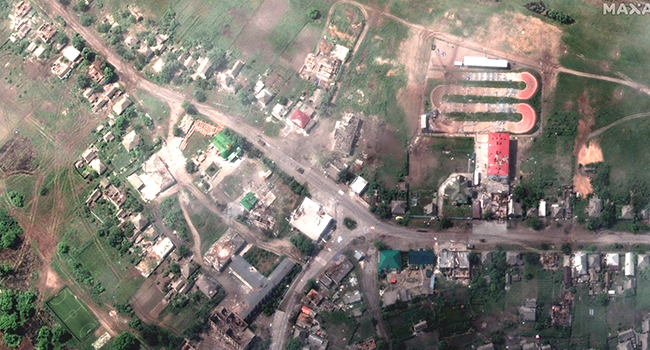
[
  {"x": 259, "y": 285},
  {"x": 498, "y": 156}
]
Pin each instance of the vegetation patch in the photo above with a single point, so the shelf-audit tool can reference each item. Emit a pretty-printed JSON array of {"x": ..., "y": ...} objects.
[{"x": 73, "y": 314}]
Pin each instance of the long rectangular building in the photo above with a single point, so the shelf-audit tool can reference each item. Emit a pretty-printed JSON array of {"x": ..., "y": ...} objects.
[
  {"x": 484, "y": 62},
  {"x": 498, "y": 156}
]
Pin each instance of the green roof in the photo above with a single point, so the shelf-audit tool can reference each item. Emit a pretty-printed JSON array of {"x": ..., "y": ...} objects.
[
  {"x": 421, "y": 257},
  {"x": 224, "y": 144},
  {"x": 248, "y": 201},
  {"x": 390, "y": 260}
]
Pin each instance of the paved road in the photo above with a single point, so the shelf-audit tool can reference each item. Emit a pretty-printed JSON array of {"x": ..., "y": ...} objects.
[{"x": 325, "y": 188}]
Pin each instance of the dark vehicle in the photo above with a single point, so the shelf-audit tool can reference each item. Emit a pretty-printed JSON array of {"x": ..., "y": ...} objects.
[
  {"x": 300, "y": 170},
  {"x": 261, "y": 142}
]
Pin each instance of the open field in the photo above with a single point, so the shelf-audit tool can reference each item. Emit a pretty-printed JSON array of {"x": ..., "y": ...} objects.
[
  {"x": 73, "y": 314},
  {"x": 433, "y": 159},
  {"x": 209, "y": 226}
]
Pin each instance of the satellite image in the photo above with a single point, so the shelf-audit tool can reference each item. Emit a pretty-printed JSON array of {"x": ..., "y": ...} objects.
[{"x": 324, "y": 174}]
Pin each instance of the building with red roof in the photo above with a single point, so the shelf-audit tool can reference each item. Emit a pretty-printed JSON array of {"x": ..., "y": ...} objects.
[
  {"x": 498, "y": 156},
  {"x": 300, "y": 118}
]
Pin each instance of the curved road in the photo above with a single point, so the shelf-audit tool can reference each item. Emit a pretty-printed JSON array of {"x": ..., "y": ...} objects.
[{"x": 598, "y": 132}]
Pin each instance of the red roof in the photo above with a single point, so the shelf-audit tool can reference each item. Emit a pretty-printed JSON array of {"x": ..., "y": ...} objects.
[
  {"x": 498, "y": 154},
  {"x": 300, "y": 118}
]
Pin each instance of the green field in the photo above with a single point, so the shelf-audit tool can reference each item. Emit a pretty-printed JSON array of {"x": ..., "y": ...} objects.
[{"x": 73, "y": 314}]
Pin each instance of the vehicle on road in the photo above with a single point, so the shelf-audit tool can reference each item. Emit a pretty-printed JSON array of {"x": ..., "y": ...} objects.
[{"x": 300, "y": 170}]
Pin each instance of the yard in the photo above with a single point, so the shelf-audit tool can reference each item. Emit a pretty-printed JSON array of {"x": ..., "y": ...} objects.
[{"x": 263, "y": 260}]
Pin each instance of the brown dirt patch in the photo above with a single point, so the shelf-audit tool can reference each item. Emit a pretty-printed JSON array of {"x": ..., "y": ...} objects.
[
  {"x": 16, "y": 156},
  {"x": 584, "y": 152},
  {"x": 421, "y": 162},
  {"x": 522, "y": 35},
  {"x": 590, "y": 153},
  {"x": 414, "y": 57}
]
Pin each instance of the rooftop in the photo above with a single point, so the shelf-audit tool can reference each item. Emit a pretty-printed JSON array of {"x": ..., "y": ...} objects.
[
  {"x": 300, "y": 118},
  {"x": 390, "y": 260},
  {"x": 311, "y": 219},
  {"x": 498, "y": 155}
]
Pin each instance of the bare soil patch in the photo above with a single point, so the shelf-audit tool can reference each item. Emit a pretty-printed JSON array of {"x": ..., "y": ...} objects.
[
  {"x": 414, "y": 56},
  {"x": 16, "y": 156},
  {"x": 589, "y": 151},
  {"x": 421, "y": 161}
]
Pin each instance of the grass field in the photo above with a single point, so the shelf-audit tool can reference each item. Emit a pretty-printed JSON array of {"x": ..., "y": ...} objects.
[
  {"x": 209, "y": 226},
  {"x": 451, "y": 155},
  {"x": 73, "y": 314},
  {"x": 623, "y": 157}
]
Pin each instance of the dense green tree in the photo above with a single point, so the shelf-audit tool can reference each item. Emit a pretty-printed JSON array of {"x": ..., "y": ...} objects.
[
  {"x": 126, "y": 341},
  {"x": 293, "y": 344},
  {"x": 303, "y": 243},
  {"x": 199, "y": 95},
  {"x": 313, "y": 14},
  {"x": 12, "y": 340},
  {"x": 78, "y": 42},
  {"x": 17, "y": 199}
]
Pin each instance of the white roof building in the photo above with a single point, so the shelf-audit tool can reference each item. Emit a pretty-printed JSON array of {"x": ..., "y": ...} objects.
[
  {"x": 340, "y": 52},
  {"x": 70, "y": 53},
  {"x": 484, "y": 62},
  {"x": 279, "y": 111},
  {"x": 204, "y": 67},
  {"x": 542, "y": 208},
  {"x": 629, "y": 264},
  {"x": 310, "y": 219},
  {"x": 612, "y": 261},
  {"x": 358, "y": 185},
  {"x": 580, "y": 264}
]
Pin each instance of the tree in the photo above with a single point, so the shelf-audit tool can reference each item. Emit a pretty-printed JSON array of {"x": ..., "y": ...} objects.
[
  {"x": 177, "y": 131},
  {"x": 349, "y": 223},
  {"x": 602, "y": 299},
  {"x": 293, "y": 344},
  {"x": 313, "y": 14},
  {"x": 82, "y": 81},
  {"x": 87, "y": 19},
  {"x": 243, "y": 97},
  {"x": 303, "y": 243},
  {"x": 126, "y": 341},
  {"x": 566, "y": 248},
  {"x": 17, "y": 199},
  {"x": 183, "y": 251},
  {"x": 88, "y": 54},
  {"x": 190, "y": 167},
  {"x": 63, "y": 248},
  {"x": 82, "y": 6},
  {"x": 78, "y": 42},
  {"x": 12, "y": 340},
  {"x": 199, "y": 95},
  {"x": 188, "y": 107},
  {"x": 381, "y": 245},
  {"x": 217, "y": 57},
  {"x": 103, "y": 27},
  {"x": 446, "y": 223},
  {"x": 109, "y": 74},
  {"x": 535, "y": 223}
]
